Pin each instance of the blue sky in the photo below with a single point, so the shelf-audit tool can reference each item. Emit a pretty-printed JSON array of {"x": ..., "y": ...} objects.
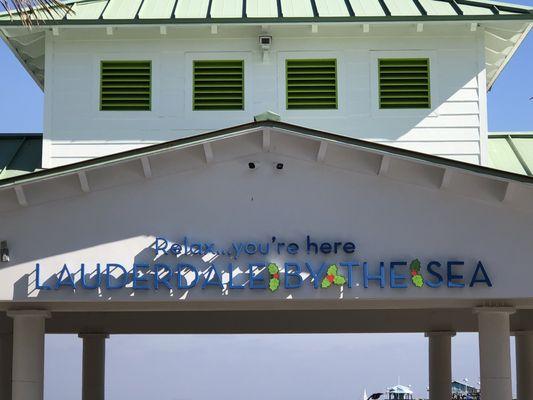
[{"x": 185, "y": 367}]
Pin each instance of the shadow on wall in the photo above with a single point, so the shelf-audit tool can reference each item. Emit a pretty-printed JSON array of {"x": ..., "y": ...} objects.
[{"x": 184, "y": 276}]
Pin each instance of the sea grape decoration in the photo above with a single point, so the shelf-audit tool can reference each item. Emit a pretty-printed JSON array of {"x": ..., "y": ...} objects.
[
  {"x": 273, "y": 271},
  {"x": 333, "y": 277},
  {"x": 416, "y": 277}
]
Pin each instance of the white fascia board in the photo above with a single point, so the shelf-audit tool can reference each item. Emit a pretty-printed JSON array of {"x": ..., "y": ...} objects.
[
  {"x": 17, "y": 55},
  {"x": 509, "y": 56}
]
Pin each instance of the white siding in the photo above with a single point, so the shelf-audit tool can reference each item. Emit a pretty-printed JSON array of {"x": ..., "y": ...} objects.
[{"x": 77, "y": 130}]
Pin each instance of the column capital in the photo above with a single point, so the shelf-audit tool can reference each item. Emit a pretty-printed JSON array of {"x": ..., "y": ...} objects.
[
  {"x": 439, "y": 333},
  {"x": 29, "y": 313},
  {"x": 494, "y": 310},
  {"x": 93, "y": 335}
]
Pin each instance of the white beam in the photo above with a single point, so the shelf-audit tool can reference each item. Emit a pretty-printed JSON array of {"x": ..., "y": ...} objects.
[
  {"x": 163, "y": 30},
  {"x": 84, "y": 183},
  {"x": 446, "y": 178},
  {"x": 314, "y": 28},
  {"x": 366, "y": 28},
  {"x": 109, "y": 30},
  {"x": 420, "y": 27},
  {"x": 321, "y": 155},
  {"x": 214, "y": 29},
  {"x": 147, "y": 169},
  {"x": 266, "y": 139},
  {"x": 384, "y": 165},
  {"x": 208, "y": 152},
  {"x": 21, "y": 196}
]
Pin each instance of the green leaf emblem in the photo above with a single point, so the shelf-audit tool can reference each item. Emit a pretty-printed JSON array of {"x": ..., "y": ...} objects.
[
  {"x": 274, "y": 285},
  {"x": 273, "y": 268},
  {"x": 418, "y": 280},
  {"x": 333, "y": 270},
  {"x": 339, "y": 280}
]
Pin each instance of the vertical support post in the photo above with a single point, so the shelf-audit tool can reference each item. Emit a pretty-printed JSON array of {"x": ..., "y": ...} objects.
[
  {"x": 440, "y": 365},
  {"x": 6, "y": 365},
  {"x": 28, "y": 353},
  {"x": 93, "y": 369},
  {"x": 524, "y": 365},
  {"x": 495, "y": 352}
]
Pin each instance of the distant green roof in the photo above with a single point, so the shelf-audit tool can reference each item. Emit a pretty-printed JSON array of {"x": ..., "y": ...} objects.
[
  {"x": 512, "y": 152},
  {"x": 19, "y": 154}
]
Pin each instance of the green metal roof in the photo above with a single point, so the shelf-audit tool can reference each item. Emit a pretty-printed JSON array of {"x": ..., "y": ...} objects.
[
  {"x": 19, "y": 155},
  {"x": 512, "y": 152},
  {"x": 138, "y": 11}
]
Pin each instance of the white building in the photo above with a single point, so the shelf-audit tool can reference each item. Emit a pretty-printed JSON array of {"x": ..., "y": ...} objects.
[{"x": 362, "y": 202}]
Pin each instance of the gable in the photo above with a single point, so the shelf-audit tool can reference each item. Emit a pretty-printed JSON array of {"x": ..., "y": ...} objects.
[{"x": 369, "y": 206}]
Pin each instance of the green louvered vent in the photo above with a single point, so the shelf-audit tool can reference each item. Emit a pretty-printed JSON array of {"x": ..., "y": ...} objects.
[
  {"x": 125, "y": 86},
  {"x": 404, "y": 83},
  {"x": 218, "y": 85},
  {"x": 311, "y": 84}
]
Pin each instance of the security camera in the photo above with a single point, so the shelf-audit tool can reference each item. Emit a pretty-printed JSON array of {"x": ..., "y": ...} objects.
[
  {"x": 265, "y": 42},
  {"x": 253, "y": 165}
]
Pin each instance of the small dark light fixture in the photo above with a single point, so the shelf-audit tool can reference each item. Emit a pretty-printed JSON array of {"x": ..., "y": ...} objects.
[
  {"x": 252, "y": 165},
  {"x": 4, "y": 251},
  {"x": 279, "y": 166}
]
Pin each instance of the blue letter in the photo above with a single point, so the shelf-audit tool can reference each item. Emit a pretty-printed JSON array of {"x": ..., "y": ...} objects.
[
  {"x": 136, "y": 279},
  {"x": 98, "y": 278},
  {"x": 69, "y": 280},
  {"x": 124, "y": 276},
  {"x": 452, "y": 277},
  {"x": 160, "y": 244},
  {"x": 164, "y": 280},
  {"x": 380, "y": 277},
  {"x": 349, "y": 268},
  {"x": 217, "y": 281},
  {"x": 231, "y": 285},
  {"x": 480, "y": 269},
  {"x": 438, "y": 282},
  {"x": 38, "y": 285},
  {"x": 294, "y": 274},
  {"x": 316, "y": 277},
  {"x": 257, "y": 278},
  {"x": 180, "y": 276},
  {"x": 394, "y": 284}
]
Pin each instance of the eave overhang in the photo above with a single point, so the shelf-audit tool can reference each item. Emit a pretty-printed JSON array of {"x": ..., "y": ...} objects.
[{"x": 384, "y": 157}]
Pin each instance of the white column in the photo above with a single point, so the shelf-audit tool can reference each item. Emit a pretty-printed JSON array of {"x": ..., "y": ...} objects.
[
  {"x": 93, "y": 382},
  {"x": 524, "y": 365},
  {"x": 495, "y": 353},
  {"x": 6, "y": 362},
  {"x": 28, "y": 353},
  {"x": 440, "y": 365}
]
